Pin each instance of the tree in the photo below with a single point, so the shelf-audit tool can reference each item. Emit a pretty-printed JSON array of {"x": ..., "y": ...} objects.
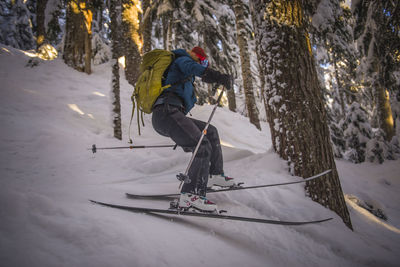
[
  {"x": 16, "y": 25},
  {"x": 146, "y": 25},
  {"x": 333, "y": 46},
  {"x": 357, "y": 133},
  {"x": 242, "y": 40},
  {"x": 295, "y": 107},
  {"x": 55, "y": 13},
  {"x": 132, "y": 39},
  {"x": 40, "y": 20},
  {"x": 377, "y": 33},
  {"x": 78, "y": 35},
  {"x": 115, "y": 15}
]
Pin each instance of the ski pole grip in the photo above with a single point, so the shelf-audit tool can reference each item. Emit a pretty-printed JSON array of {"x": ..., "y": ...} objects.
[{"x": 94, "y": 149}]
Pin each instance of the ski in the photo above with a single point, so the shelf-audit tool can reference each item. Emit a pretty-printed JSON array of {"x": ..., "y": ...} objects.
[
  {"x": 235, "y": 188},
  {"x": 205, "y": 215}
]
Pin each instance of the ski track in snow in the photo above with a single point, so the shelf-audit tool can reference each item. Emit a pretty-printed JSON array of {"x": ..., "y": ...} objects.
[{"x": 51, "y": 115}]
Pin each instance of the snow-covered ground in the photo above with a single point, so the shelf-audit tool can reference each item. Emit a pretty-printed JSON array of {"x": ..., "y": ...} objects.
[{"x": 50, "y": 117}]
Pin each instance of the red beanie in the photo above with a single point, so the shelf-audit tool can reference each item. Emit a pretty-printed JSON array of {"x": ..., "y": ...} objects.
[{"x": 199, "y": 52}]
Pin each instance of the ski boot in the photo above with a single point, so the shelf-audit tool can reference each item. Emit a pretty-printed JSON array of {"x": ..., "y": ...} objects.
[
  {"x": 189, "y": 201},
  {"x": 220, "y": 180}
]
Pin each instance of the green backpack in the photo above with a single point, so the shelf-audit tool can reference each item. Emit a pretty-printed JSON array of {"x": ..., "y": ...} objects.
[{"x": 149, "y": 85}]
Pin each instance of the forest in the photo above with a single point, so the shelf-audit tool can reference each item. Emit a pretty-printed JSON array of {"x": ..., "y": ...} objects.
[
  {"x": 324, "y": 74},
  {"x": 316, "y": 87}
]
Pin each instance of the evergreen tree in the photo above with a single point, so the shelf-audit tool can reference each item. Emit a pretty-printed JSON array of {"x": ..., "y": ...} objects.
[
  {"x": 242, "y": 39},
  {"x": 131, "y": 38},
  {"x": 227, "y": 24},
  {"x": 332, "y": 39},
  {"x": 101, "y": 51},
  {"x": 77, "y": 46},
  {"x": 357, "y": 133},
  {"x": 377, "y": 34},
  {"x": 16, "y": 25},
  {"x": 115, "y": 15},
  {"x": 296, "y": 111},
  {"x": 40, "y": 19},
  {"x": 146, "y": 25},
  {"x": 55, "y": 13}
]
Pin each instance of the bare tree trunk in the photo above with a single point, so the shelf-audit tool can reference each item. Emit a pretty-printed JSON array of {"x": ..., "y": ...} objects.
[
  {"x": 40, "y": 17},
  {"x": 231, "y": 100},
  {"x": 77, "y": 47},
  {"x": 115, "y": 15},
  {"x": 146, "y": 26},
  {"x": 296, "y": 112},
  {"x": 245, "y": 62},
  {"x": 132, "y": 39}
]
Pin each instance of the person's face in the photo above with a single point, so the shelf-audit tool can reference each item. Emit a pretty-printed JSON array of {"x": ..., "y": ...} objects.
[{"x": 194, "y": 57}]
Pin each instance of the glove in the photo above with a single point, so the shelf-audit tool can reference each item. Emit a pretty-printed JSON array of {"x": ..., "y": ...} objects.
[
  {"x": 213, "y": 76},
  {"x": 226, "y": 81}
]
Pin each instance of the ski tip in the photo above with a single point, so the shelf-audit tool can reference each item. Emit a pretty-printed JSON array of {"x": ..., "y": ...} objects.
[{"x": 325, "y": 220}]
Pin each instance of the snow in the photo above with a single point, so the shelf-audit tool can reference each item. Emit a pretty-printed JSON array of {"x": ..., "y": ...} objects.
[{"x": 51, "y": 115}]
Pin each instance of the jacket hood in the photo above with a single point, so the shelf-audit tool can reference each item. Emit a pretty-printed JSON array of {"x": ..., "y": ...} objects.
[{"x": 180, "y": 53}]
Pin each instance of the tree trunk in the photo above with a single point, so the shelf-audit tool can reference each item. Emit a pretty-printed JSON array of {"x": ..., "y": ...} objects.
[
  {"x": 231, "y": 100},
  {"x": 167, "y": 30},
  {"x": 259, "y": 65},
  {"x": 245, "y": 62},
  {"x": 132, "y": 39},
  {"x": 77, "y": 47},
  {"x": 384, "y": 111},
  {"x": 146, "y": 26},
  {"x": 385, "y": 117},
  {"x": 40, "y": 17},
  {"x": 340, "y": 88},
  {"x": 115, "y": 15},
  {"x": 296, "y": 112}
]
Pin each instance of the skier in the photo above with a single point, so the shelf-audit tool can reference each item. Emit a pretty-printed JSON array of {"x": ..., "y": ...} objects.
[{"x": 169, "y": 119}]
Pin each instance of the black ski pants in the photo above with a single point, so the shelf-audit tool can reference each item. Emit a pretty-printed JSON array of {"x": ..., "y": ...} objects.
[{"x": 171, "y": 122}]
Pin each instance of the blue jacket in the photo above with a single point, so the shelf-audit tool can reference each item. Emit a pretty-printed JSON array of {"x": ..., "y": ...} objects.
[{"x": 181, "y": 68}]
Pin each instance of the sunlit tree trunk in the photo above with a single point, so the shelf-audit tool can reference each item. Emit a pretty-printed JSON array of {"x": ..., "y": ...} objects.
[
  {"x": 296, "y": 112},
  {"x": 132, "y": 39},
  {"x": 115, "y": 15},
  {"x": 245, "y": 62},
  {"x": 40, "y": 17},
  {"x": 385, "y": 117},
  {"x": 77, "y": 47}
]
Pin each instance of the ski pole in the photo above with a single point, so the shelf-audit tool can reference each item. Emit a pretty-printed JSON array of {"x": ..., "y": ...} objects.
[
  {"x": 183, "y": 177},
  {"x": 94, "y": 148}
]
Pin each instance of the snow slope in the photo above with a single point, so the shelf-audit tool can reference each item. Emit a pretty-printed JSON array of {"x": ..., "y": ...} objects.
[{"x": 50, "y": 117}]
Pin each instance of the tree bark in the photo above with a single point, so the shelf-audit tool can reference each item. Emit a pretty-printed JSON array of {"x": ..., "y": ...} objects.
[
  {"x": 115, "y": 15},
  {"x": 132, "y": 39},
  {"x": 231, "y": 100},
  {"x": 146, "y": 26},
  {"x": 295, "y": 108},
  {"x": 77, "y": 47},
  {"x": 40, "y": 18},
  {"x": 245, "y": 62}
]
